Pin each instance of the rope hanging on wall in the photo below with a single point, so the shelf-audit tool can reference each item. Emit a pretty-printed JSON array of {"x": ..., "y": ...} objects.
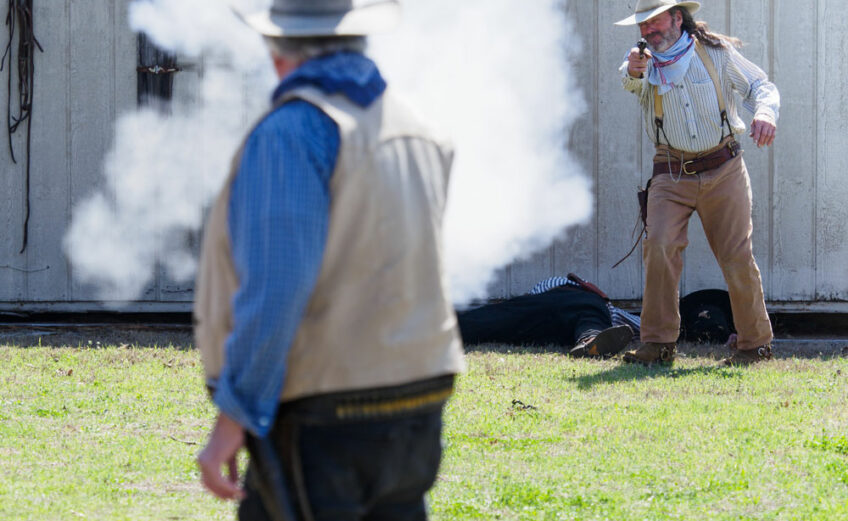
[{"x": 20, "y": 19}]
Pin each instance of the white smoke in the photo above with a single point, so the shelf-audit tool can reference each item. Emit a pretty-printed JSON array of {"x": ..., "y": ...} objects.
[
  {"x": 164, "y": 169},
  {"x": 496, "y": 76},
  {"x": 493, "y": 74}
]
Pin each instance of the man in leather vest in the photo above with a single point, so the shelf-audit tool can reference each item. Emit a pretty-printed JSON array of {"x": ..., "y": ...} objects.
[
  {"x": 328, "y": 338},
  {"x": 685, "y": 81}
]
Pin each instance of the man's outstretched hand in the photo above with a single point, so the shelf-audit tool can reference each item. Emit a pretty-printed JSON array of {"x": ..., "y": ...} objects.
[
  {"x": 224, "y": 443},
  {"x": 762, "y": 132},
  {"x": 638, "y": 62}
]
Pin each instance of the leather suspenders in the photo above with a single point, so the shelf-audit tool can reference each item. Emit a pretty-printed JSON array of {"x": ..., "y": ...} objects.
[
  {"x": 710, "y": 66},
  {"x": 658, "y": 112}
]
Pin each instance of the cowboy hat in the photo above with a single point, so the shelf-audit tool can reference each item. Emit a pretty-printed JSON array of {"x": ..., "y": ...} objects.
[
  {"x": 307, "y": 18},
  {"x": 646, "y": 9}
]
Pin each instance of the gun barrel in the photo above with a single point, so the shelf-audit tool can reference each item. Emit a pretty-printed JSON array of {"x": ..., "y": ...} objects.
[
  {"x": 642, "y": 44},
  {"x": 272, "y": 484}
]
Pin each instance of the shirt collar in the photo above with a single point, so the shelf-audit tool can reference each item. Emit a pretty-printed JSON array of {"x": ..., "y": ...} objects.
[{"x": 349, "y": 73}]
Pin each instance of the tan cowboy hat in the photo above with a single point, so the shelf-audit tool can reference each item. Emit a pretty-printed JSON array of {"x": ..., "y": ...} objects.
[
  {"x": 646, "y": 9},
  {"x": 305, "y": 18}
]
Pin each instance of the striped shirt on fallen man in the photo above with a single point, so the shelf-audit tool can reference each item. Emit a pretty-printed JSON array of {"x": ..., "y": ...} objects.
[{"x": 618, "y": 316}]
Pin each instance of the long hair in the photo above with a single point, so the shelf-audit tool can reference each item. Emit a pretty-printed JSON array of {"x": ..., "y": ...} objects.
[{"x": 701, "y": 31}]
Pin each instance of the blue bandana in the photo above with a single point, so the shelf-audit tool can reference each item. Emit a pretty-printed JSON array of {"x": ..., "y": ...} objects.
[
  {"x": 670, "y": 66},
  {"x": 349, "y": 73}
]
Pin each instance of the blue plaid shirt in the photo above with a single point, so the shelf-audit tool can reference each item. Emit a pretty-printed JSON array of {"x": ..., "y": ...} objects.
[{"x": 278, "y": 219}]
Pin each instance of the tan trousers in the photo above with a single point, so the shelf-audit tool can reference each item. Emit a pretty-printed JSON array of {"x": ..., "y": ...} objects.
[{"x": 722, "y": 198}]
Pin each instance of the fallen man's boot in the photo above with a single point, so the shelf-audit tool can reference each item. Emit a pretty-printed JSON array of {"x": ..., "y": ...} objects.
[
  {"x": 749, "y": 356},
  {"x": 651, "y": 352},
  {"x": 605, "y": 344}
]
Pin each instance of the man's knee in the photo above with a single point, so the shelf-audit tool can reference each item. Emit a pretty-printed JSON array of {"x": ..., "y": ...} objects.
[{"x": 660, "y": 245}]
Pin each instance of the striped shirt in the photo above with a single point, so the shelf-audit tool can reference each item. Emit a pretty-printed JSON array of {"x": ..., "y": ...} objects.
[
  {"x": 692, "y": 121},
  {"x": 619, "y": 316}
]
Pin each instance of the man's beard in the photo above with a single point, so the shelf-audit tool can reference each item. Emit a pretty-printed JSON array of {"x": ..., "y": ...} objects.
[{"x": 669, "y": 38}]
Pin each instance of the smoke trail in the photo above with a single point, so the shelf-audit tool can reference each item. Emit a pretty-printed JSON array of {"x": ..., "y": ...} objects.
[
  {"x": 492, "y": 73},
  {"x": 495, "y": 75},
  {"x": 163, "y": 170}
]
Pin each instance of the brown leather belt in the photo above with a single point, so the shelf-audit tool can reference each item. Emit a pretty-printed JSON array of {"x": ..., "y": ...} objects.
[{"x": 702, "y": 164}]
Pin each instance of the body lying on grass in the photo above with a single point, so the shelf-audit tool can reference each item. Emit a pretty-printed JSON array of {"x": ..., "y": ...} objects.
[{"x": 572, "y": 313}]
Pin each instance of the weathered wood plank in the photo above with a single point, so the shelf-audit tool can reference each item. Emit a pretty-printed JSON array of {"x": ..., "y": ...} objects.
[
  {"x": 576, "y": 252},
  {"x": 48, "y": 277},
  {"x": 525, "y": 273},
  {"x": 92, "y": 105},
  {"x": 751, "y": 22},
  {"x": 618, "y": 157},
  {"x": 13, "y": 264},
  {"x": 125, "y": 93},
  {"x": 186, "y": 89},
  {"x": 559, "y": 258},
  {"x": 832, "y": 139},
  {"x": 793, "y": 276},
  {"x": 700, "y": 269},
  {"x": 187, "y": 85}
]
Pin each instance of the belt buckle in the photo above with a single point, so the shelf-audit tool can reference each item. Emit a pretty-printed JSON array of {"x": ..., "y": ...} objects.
[{"x": 686, "y": 170}]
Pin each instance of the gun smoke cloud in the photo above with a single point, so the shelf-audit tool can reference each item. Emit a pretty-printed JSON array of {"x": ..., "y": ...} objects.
[
  {"x": 493, "y": 76},
  {"x": 496, "y": 76},
  {"x": 165, "y": 167}
]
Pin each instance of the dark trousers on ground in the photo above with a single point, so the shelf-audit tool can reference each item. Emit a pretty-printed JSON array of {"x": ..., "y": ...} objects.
[
  {"x": 560, "y": 316},
  {"x": 353, "y": 468}
]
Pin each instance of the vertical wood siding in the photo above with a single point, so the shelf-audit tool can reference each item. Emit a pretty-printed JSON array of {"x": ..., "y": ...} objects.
[
  {"x": 86, "y": 78},
  {"x": 800, "y": 185}
]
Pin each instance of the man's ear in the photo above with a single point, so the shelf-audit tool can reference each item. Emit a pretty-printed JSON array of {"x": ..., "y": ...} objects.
[{"x": 677, "y": 18}]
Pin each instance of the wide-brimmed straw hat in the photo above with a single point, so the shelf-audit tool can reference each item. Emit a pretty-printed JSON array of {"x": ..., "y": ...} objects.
[
  {"x": 646, "y": 9},
  {"x": 307, "y": 18}
]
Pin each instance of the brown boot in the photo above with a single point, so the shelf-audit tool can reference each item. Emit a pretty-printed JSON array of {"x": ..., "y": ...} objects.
[
  {"x": 651, "y": 352},
  {"x": 749, "y": 356}
]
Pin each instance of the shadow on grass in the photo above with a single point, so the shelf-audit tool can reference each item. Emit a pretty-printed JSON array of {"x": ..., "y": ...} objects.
[
  {"x": 629, "y": 372},
  {"x": 515, "y": 350},
  {"x": 94, "y": 337},
  {"x": 811, "y": 349}
]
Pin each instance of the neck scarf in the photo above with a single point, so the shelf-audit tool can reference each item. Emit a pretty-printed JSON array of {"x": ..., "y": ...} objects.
[{"x": 670, "y": 66}]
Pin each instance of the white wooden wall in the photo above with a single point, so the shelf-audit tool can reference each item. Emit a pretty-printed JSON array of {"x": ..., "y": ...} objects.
[
  {"x": 86, "y": 77},
  {"x": 800, "y": 185}
]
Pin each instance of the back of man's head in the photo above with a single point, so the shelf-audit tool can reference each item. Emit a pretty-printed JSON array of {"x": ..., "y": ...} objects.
[{"x": 306, "y": 48}]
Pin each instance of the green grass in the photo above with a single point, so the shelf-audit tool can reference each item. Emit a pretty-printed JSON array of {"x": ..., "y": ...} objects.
[
  {"x": 106, "y": 434},
  {"x": 111, "y": 433}
]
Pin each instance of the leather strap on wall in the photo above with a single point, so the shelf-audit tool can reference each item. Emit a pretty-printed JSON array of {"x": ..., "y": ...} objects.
[{"x": 20, "y": 18}]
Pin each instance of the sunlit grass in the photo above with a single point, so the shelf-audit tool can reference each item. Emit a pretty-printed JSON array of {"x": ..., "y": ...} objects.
[{"x": 111, "y": 433}]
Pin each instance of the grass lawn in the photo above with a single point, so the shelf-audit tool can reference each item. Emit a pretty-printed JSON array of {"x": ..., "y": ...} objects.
[{"x": 110, "y": 433}]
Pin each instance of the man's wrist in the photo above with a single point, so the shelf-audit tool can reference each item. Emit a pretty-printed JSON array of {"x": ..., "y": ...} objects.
[
  {"x": 766, "y": 116},
  {"x": 228, "y": 424}
]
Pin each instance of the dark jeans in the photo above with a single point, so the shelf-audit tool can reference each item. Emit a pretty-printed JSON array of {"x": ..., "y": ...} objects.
[
  {"x": 560, "y": 316},
  {"x": 368, "y": 470}
]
